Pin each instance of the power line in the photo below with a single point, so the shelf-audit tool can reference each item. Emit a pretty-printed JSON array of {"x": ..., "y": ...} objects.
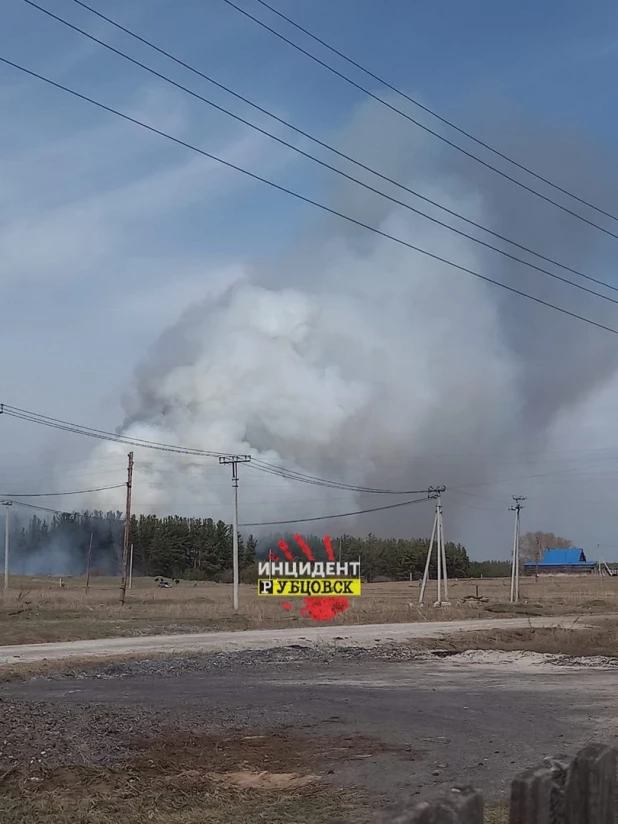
[
  {"x": 78, "y": 429},
  {"x": 433, "y": 113},
  {"x": 60, "y": 511},
  {"x": 304, "y": 199},
  {"x": 58, "y": 494},
  {"x": 263, "y": 466},
  {"x": 307, "y": 135},
  {"x": 292, "y": 475},
  {"x": 431, "y": 131},
  {"x": 260, "y": 523},
  {"x": 340, "y": 515}
]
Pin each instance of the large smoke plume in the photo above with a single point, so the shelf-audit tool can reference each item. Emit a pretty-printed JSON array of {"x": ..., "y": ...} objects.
[{"x": 356, "y": 359}]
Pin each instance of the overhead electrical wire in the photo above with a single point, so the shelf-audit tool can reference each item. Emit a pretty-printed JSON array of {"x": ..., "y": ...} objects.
[
  {"x": 339, "y": 515},
  {"x": 304, "y": 199},
  {"x": 56, "y": 423},
  {"x": 263, "y": 466},
  {"x": 305, "y": 134},
  {"x": 59, "y": 511},
  {"x": 272, "y": 469},
  {"x": 335, "y": 169},
  {"x": 431, "y": 131},
  {"x": 259, "y": 523},
  {"x": 59, "y": 494},
  {"x": 426, "y": 109}
]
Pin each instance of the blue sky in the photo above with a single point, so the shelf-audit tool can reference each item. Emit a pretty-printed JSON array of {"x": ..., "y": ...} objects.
[{"x": 107, "y": 232}]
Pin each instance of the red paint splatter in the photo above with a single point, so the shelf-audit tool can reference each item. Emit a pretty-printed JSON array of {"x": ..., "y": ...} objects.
[
  {"x": 286, "y": 550},
  {"x": 301, "y": 543},
  {"x": 329, "y": 548},
  {"x": 323, "y": 609}
]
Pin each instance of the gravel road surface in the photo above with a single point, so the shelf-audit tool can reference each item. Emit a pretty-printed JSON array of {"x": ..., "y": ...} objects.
[
  {"x": 365, "y": 635},
  {"x": 420, "y": 722}
]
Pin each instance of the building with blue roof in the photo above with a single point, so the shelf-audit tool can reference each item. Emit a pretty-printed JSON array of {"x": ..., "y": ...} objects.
[{"x": 560, "y": 562}]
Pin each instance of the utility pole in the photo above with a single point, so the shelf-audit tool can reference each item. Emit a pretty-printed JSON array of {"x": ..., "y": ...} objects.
[
  {"x": 127, "y": 531},
  {"x": 516, "y": 508},
  {"x": 437, "y": 537},
  {"x": 88, "y": 563},
  {"x": 131, "y": 569},
  {"x": 234, "y": 460},
  {"x": 7, "y": 505}
]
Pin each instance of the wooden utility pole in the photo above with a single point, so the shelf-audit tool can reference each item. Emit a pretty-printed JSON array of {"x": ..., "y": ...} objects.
[
  {"x": 88, "y": 563},
  {"x": 131, "y": 568},
  {"x": 127, "y": 532},
  {"x": 5, "y": 588}
]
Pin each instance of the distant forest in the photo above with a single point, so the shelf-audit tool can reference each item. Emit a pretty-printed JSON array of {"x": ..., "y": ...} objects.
[{"x": 201, "y": 549}]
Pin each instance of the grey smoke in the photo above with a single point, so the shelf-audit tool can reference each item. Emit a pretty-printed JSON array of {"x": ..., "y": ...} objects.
[
  {"x": 359, "y": 360},
  {"x": 57, "y": 556}
]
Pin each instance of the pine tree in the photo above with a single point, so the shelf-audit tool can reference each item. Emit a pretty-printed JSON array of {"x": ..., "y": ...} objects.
[{"x": 248, "y": 557}]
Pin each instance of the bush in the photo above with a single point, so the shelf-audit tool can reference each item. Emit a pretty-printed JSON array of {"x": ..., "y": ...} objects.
[
  {"x": 249, "y": 575},
  {"x": 225, "y": 577}
]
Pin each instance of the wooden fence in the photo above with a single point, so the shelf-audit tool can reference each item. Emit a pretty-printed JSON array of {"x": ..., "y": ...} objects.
[{"x": 565, "y": 790}]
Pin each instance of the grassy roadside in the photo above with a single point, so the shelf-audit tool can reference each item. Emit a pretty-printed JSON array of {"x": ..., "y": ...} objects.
[{"x": 39, "y": 610}]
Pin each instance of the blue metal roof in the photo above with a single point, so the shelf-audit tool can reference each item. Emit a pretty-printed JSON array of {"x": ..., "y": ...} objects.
[{"x": 563, "y": 557}]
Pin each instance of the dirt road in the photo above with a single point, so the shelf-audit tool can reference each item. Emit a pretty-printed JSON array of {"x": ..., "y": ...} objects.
[
  {"x": 410, "y": 727},
  {"x": 365, "y": 635}
]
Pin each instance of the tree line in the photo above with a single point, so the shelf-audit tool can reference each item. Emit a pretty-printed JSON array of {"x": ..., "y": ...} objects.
[{"x": 200, "y": 548}]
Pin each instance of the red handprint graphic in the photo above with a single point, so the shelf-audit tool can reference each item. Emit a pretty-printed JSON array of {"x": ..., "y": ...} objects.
[{"x": 317, "y": 608}]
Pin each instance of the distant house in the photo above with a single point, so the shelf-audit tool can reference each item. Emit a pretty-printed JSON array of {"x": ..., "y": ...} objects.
[{"x": 560, "y": 562}]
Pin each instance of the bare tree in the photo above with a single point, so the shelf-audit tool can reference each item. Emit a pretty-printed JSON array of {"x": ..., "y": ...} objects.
[{"x": 532, "y": 545}]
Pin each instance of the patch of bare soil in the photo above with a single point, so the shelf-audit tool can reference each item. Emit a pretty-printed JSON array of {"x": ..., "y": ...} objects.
[{"x": 179, "y": 777}]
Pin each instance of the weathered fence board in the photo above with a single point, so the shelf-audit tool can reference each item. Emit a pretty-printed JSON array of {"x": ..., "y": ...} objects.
[
  {"x": 565, "y": 790},
  {"x": 461, "y": 805},
  {"x": 590, "y": 791}
]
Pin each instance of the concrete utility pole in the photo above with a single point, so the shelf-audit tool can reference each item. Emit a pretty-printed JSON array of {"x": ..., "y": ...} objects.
[
  {"x": 127, "y": 531},
  {"x": 5, "y": 590},
  {"x": 234, "y": 460},
  {"x": 437, "y": 537},
  {"x": 516, "y": 508}
]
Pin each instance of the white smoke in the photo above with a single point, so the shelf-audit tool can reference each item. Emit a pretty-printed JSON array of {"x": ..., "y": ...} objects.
[
  {"x": 362, "y": 361},
  {"x": 375, "y": 358}
]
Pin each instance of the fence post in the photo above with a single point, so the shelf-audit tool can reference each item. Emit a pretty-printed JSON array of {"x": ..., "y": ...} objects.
[
  {"x": 461, "y": 805},
  {"x": 590, "y": 792},
  {"x": 536, "y": 797},
  {"x": 565, "y": 790}
]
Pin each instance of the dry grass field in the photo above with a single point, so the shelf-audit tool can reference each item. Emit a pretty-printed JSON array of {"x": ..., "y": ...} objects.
[{"x": 39, "y": 609}]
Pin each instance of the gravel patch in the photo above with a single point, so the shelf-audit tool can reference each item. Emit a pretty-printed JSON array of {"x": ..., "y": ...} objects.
[
  {"x": 176, "y": 666},
  {"x": 298, "y": 656}
]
